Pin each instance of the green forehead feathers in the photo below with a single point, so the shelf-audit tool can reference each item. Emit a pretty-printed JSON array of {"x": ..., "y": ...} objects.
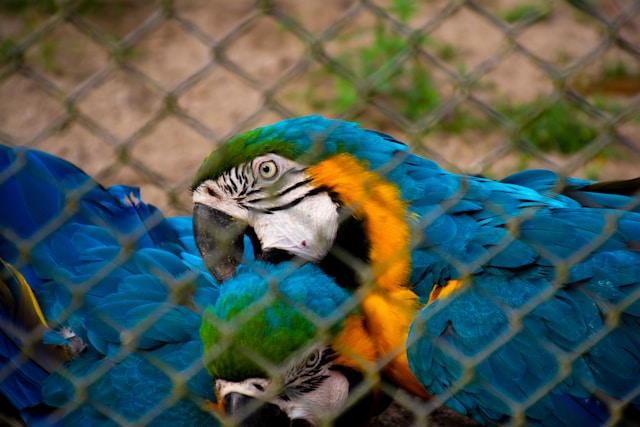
[
  {"x": 273, "y": 334},
  {"x": 307, "y": 139},
  {"x": 242, "y": 149}
]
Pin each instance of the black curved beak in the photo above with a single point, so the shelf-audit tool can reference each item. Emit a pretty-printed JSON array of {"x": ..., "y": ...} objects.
[
  {"x": 220, "y": 240},
  {"x": 252, "y": 412}
]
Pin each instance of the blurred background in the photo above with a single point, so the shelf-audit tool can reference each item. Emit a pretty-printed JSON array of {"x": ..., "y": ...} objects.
[{"x": 139, "y": 92}]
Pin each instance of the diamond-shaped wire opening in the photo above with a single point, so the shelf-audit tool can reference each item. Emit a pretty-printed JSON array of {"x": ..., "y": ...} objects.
[
  {"x": 23, "y": 120},
  {"x": 67, "y": 57},
  {"x": 114, "y": 19},
  {"x": 274, "y": 50},
  {"x": 464, "y": 51},
  {"x": 317, "y": 17},
  {"x": 169, "y": 55},
  {"x": 121, "y": 103},
  {"x": 166, "y": 165},
  {"x": 82, "y": 147},
  {"x": 221, "y": 89},
  {"x": 216, "y": 18}
]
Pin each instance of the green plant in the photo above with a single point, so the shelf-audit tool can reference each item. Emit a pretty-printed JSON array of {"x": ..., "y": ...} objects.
[
  {"x": 560, "y": 127},
  {"x": 611, "y": 105},
  {"x": 48, "y": 7},
  {"x": 531, "y": 12},
  {"x": 593, "y": 172},
  {"x": 407, "y": 87},
  {"x": 7, "y": 49},
  {"x": 18, "y": 6},
  {"x": 46, "y": 56},
  {"x": 445, "y": 51},
  {"x": 616, "y": 69},
  {"x": 563, "y": 57}
]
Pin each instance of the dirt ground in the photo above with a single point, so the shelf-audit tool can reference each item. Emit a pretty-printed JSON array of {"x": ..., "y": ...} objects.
[
  {"x": 149, "y": 115},
  {"x": 74, "y": 101}
]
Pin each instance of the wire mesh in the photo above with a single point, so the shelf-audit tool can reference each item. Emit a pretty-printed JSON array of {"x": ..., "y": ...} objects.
[{"x": 139, "y": 93}]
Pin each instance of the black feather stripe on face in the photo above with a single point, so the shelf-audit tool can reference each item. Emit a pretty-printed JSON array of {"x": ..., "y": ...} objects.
[
  {"x": 294, "y": 202},
  {"x": 308, "y": 376},
  {"x": 281, "y": 193}
]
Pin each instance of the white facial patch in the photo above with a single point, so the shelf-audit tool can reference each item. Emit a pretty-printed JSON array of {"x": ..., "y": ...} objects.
[
  {"x": 307, "y": 229},
  {"x": 326, "y": 400},
  {"x": 253, "y": 387}
]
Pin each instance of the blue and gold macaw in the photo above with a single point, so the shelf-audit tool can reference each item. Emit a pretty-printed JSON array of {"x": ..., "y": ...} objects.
[
  {"x": 99, "y": 323},
  {"x": 513, "y": 300}
]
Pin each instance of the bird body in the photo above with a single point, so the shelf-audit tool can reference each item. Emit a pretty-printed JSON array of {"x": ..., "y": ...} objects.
[
  {"x": 97, "y": 319},
  {"x": 502, "y": 295}
]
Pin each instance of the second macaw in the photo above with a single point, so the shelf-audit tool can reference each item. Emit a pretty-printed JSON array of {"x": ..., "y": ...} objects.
[
  {"x": 287, "y": 346},
  {"x": 512, "y": 300},
  {"x": 98, "y": 326}
]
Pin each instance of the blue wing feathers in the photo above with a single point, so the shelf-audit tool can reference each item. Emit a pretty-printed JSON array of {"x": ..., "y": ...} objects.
[{"x": 105, "y": 263}]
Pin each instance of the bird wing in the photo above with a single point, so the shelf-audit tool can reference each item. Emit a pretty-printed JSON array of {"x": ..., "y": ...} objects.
[
  {"x": 562, "y": 328},
  {"x": 114, "y": 274}
]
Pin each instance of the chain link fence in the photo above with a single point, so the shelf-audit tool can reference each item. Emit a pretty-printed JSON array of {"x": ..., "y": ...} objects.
[{"x": 139, "y": 92}]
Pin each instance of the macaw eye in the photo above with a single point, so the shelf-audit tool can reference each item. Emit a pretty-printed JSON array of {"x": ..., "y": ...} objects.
[
  {"x": 313, "y": 358},
  {"x": 268, "y": 169}
]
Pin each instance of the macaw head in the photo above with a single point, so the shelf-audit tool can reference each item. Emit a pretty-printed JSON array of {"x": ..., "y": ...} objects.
[
  {"x": 304, "y": 188},
  {"x": 286, "y": 346}
]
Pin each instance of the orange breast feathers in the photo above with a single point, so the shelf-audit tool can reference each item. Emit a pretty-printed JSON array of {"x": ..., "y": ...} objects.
[{"x": 389, "y": 306}]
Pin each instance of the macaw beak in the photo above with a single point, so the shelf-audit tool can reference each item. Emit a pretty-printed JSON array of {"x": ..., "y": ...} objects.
[
  {"x": 220, "y": 240},
  {"x": 255, "y": 413}
]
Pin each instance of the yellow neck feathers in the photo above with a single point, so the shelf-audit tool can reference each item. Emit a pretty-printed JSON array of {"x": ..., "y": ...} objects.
[
  {"x": 378, "y": 203},
  {"x": 389, "y": 306}
]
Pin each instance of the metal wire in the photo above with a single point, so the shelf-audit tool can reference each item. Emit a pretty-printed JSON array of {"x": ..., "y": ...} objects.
[{"x": 80, "y": 116}]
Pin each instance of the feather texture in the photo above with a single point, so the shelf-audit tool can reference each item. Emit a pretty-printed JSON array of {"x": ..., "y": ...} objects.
[
  {"x": 108, "y": 272},
  {"x": 546, "y": 326}
]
